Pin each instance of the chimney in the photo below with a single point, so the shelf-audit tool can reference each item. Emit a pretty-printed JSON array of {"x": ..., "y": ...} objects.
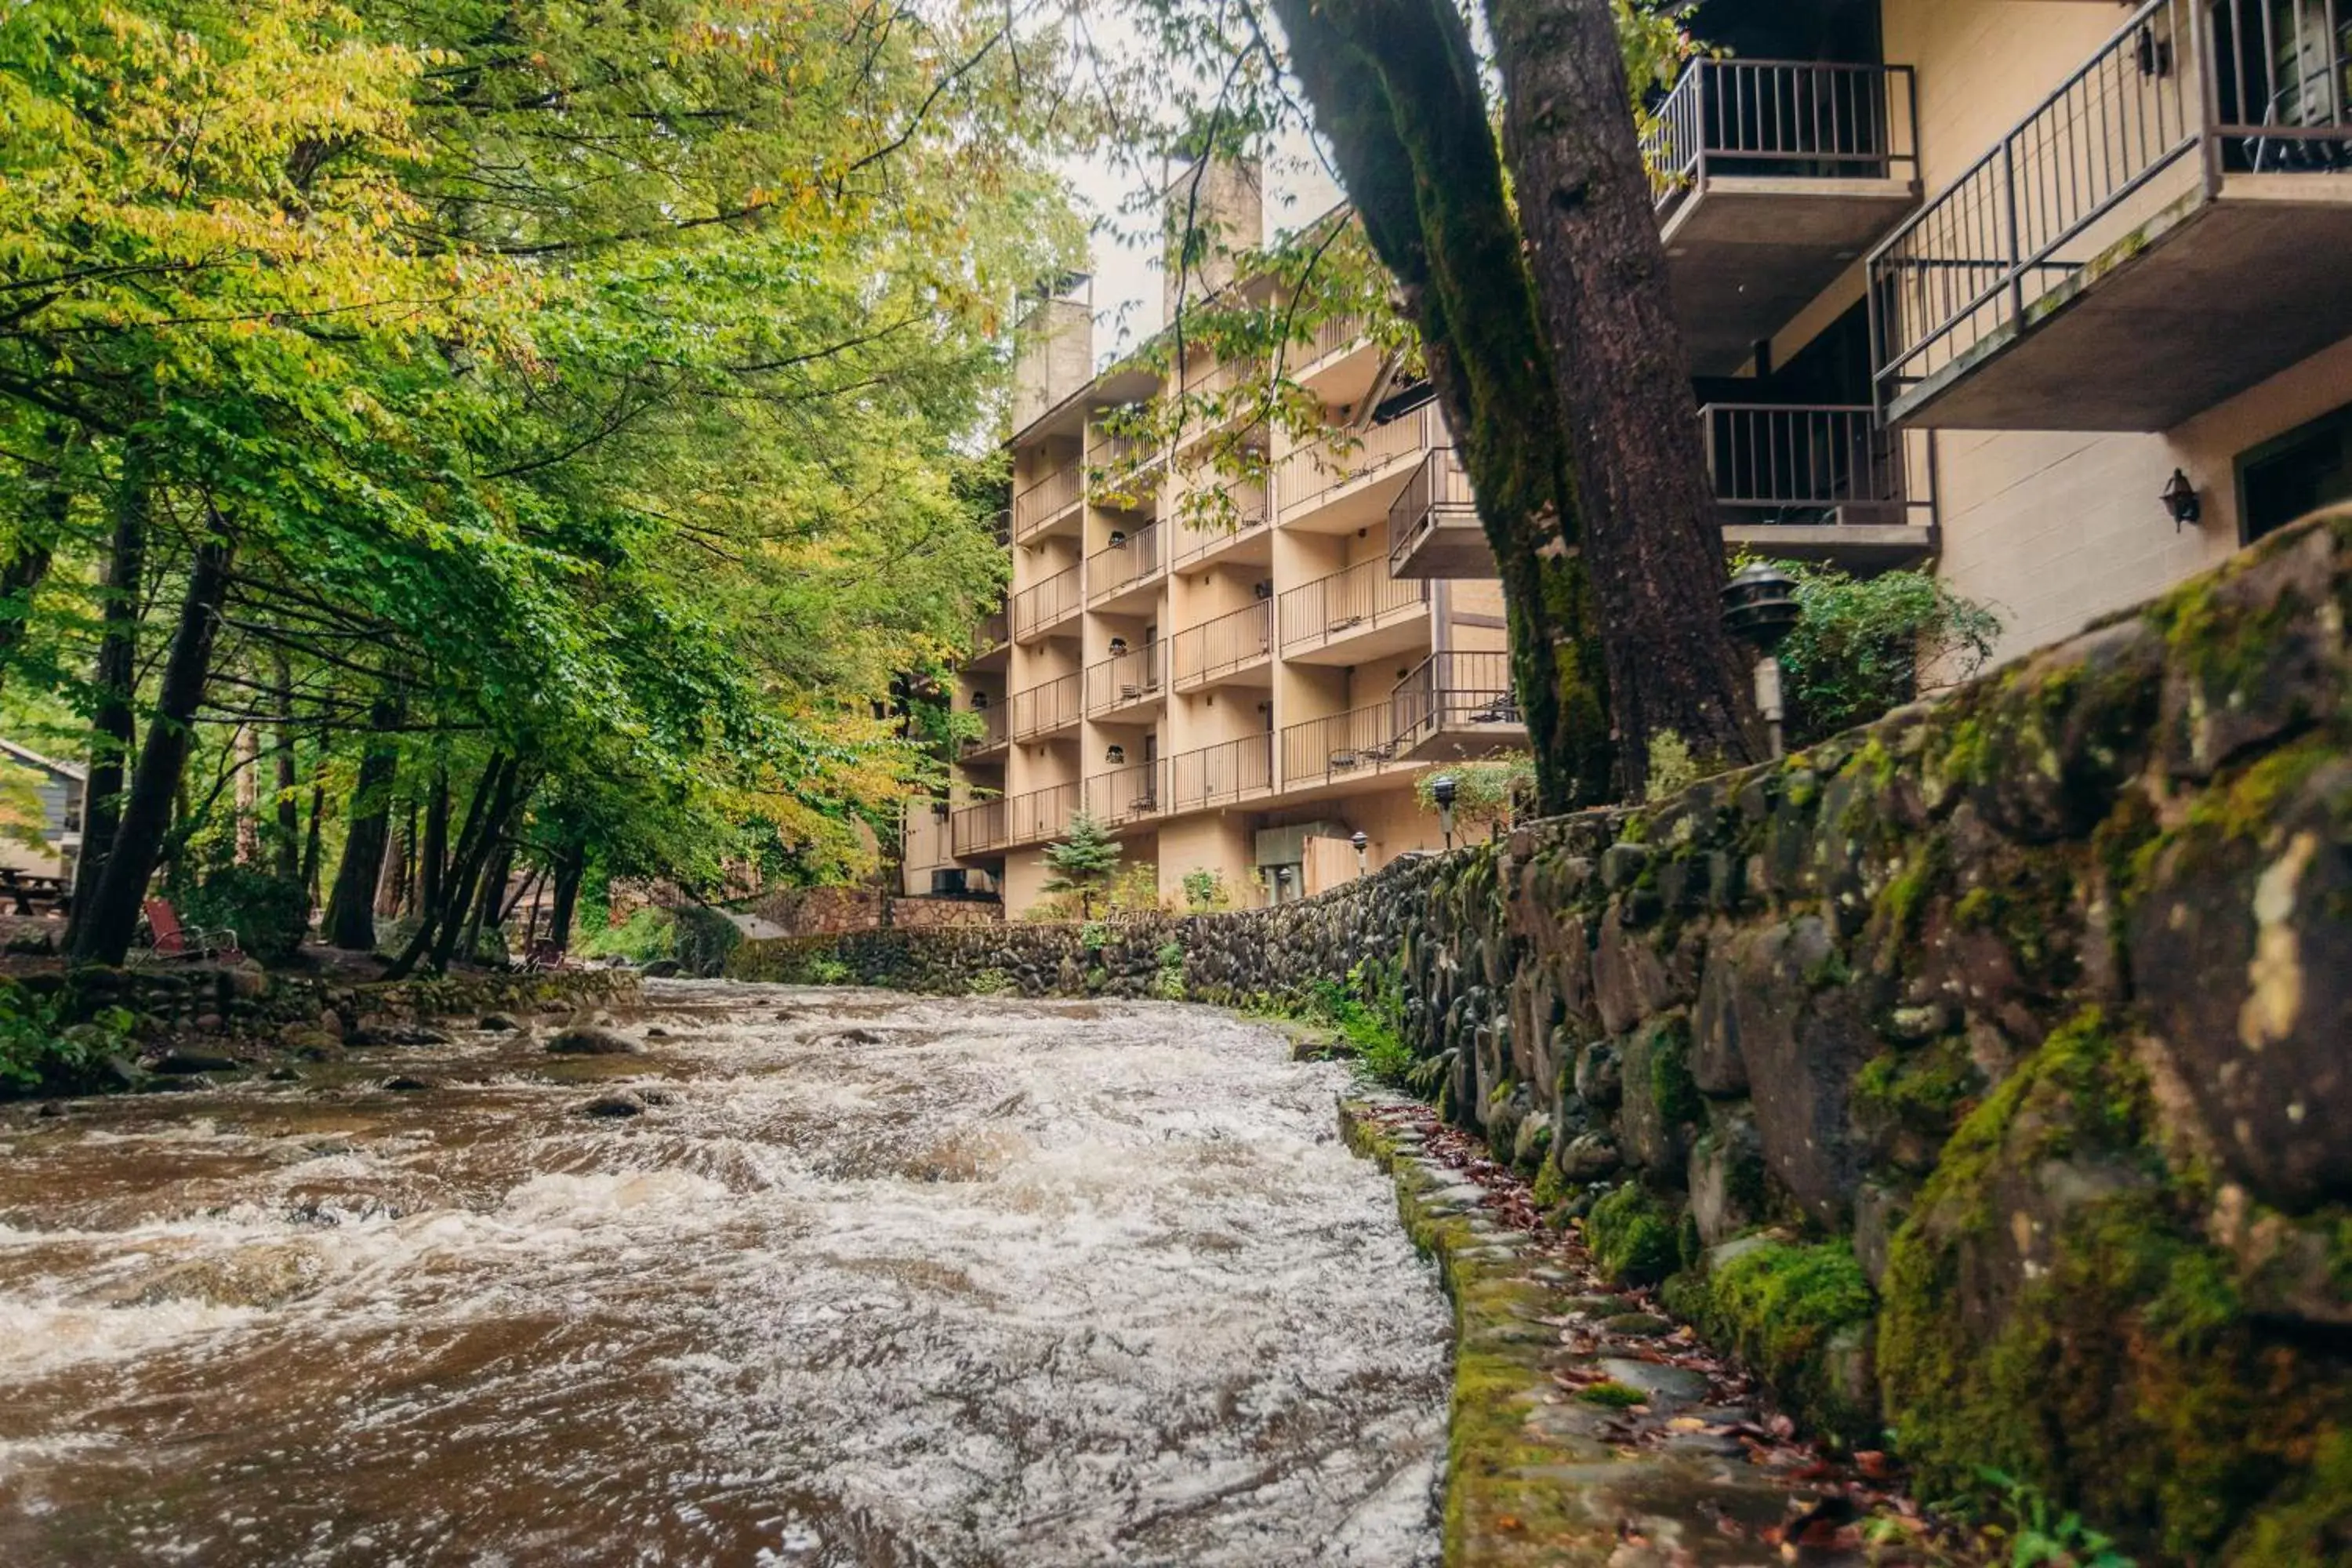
[
  {"x": 1053, "y": 348},
  {"x": 1221, "y": 203}
]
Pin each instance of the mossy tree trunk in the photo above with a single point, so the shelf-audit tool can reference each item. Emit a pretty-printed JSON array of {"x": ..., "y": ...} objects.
[
  {"x": 1395, "y": 87},
  {"x": 1550, "y": 340},
  {"x": 351, "y": 907},
  {"x": 1654, "y": 540},
  {"x": 115, "y": 679}
]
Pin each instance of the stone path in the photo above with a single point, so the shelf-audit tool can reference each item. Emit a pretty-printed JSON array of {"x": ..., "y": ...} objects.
[{"x": 1588, "y": 1428}]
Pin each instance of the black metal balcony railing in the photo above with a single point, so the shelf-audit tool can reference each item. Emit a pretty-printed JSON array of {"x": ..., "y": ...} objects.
[
  {"x": 1125, "y": 794},
  {"x": 2211, "y": 87},
  {"x": 1314, "y": 474},
  {"x": 1246, "y": 514},
  {"x": 1343, "y": 745},
  {"x": 1454, "y": 690},
  {"x": 1043, "y": 709},
  {"x": 996, "y": 729},
  {"x": 1358, "y": 598},
  {"x": 1040, "y": 815},
  {"x": 1439, "y": 492},
  {"x": 977, "y": 829},
  {"x": 1047, "y": 498},
  {"x": 1221, "y": 774},
  {"x": 1220, "y": 646},
  {"x": 1127, "y": 678},
  {"x": 1787, "y": 118},
  {"x": 1041, "y": 607},
  {"x": 1809, "y": 464},
  {"x": 1136, "y": 558}
]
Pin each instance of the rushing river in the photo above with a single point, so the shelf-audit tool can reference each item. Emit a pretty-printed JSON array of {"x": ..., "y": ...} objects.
[{"x": 868, "y": 1281}]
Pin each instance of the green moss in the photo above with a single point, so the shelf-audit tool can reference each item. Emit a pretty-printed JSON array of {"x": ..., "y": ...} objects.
[
  {"x": 2309, "y": 1521},
  {"x": 1550, "y": 1188},
  {"x": 1792, "y": 1313},
  {"x": 1926, "y": 1089},
  {"x": 1615, "y": 1395},
  {"x": 2113, "y": 1365},
  {"x": 1631, "y": 1237},
  {"x": 1907, "y": 895},
  {"x": 1672, "y": 1090}
]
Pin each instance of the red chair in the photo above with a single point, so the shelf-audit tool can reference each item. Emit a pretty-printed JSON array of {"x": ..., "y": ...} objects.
[{"x": 171, "y": 940}]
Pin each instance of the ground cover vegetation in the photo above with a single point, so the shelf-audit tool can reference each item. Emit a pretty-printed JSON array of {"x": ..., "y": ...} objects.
[{"x": 527, "y": 436}]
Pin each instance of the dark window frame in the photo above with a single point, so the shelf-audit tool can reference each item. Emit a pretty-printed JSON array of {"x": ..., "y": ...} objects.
[{"x": 2337, "y": 421}]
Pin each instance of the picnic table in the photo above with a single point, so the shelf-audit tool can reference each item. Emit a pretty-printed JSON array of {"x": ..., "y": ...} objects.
[{"x": 31, "y": 893}]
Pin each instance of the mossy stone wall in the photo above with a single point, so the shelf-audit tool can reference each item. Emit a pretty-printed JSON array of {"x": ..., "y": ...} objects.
[{"x": 1983, "y": 1076}]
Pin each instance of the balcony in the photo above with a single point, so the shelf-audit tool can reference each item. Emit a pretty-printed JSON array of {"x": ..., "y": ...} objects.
[
  {"x": 1820, "y": 483},
  {"x": 1046, "y": 607},
  {"x": 1433, "y": 527},
  {"x": 1771, "y": 178},
  {"x": 1237, "y": 648},
  {"x": 1128, "y": 684},
  {"x": 991, "y": 640},
  {"x": 995, "y": 734},
  {"x": 978, "y": 830},
  {"x": 1044, "y": 709},
  {"x": 1125, "y": 795},
  {"x": 1127, "y": 472},
  {"x": 1347, "y": 480},
  {"x": 1455, "y": 705},
  {"x": 1049, "y": 504},
  {"x": 1127, "y": 571},
  {"x": 1358, "y": 745},
  {"x": 1221, "y": 388},
  {"x": 1040, "y": 815},
  {"x": 2159, "y": 233},
  {"x": 1339, "y": 363},
  {"x": 1222, "y": 774},
  {"x": 1237, "y": 537},
  {"x": 1353, "y": 615}
]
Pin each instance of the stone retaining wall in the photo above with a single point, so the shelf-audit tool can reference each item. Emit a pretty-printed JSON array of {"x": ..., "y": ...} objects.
[{"x": 1983, "y": 1076}]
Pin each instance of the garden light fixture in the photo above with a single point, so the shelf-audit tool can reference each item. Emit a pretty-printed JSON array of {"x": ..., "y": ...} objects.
[{"x": 1760, "y": 609}]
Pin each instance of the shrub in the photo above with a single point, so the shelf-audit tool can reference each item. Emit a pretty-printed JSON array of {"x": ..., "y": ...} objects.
[
  {"x": 1862, "y": 646},
  {"x": 1487, "y": 793},
  {"x": 648, "y": 933},
  {"x": 704, "y": 939},
  {"x": 39, "y": 1050},
  {"x": 269, "y": 916},
  {"x": 1168, "y": 983},
  {"x": 991, "y": 983},
  {"x": 1206, "y": 892}
]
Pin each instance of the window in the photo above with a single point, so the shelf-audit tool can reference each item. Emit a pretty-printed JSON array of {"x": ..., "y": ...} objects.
[{"x": 2294, "y": 475}]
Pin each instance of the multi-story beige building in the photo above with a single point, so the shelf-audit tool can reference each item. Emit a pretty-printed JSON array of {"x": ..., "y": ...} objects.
[{"x": 2005, "y": 287}]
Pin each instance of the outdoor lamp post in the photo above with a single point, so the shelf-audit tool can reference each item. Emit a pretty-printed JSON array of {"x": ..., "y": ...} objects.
[
  {"x": 1360, "y": 841},
  {"x": 1441, "y": 789},
  {"x": 1760, "y": 609}
]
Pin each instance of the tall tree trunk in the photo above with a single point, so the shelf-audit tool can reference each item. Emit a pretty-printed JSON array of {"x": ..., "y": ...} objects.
[
  {"x": 245, "y": 744},
  {"x": 1395, "y": 87},
  {"x": 115, "y": 678},
  {"x": 21, "y": 577},
  {"x": 111, "y": 912},
  {"x": 447, "y": 908},
  {"x": 433, "y": 863},
  {"x": 468, "y": 873},
  {"x": 490, "y": 899},
  {"x": 1652, "y": 531},
  {"x": 288, "y": 807},
  {"x": 310, "y": 838},
  {"x": 570, "y": 868},
  {"x": 351, "y": 907},
  {"x": 392, "y": 877}
]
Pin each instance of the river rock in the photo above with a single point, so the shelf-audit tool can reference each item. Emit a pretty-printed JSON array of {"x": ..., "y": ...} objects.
[
  {"x": 498, "y": 1023},
  {"x": 591, "y": 1040},
  {"x": 614, "y": 1107}
]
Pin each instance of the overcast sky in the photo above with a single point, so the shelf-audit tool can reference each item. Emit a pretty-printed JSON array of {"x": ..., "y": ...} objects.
[{"x": 1127, "y": 276}]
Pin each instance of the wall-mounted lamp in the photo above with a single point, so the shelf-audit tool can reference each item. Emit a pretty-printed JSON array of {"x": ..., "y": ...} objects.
[
  {"x": 1116, "y": 755},
  {"x": 1118, "y": 537},
  {"x": 1361, "y": 841},
  {"x": 2181, "y": 499},
  {"x": 1441, "y": 789},
  {"x": 1117, "y": 646}
]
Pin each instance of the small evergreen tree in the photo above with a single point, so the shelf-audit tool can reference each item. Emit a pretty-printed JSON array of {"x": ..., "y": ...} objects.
[{"x": 1083, "y": 862}]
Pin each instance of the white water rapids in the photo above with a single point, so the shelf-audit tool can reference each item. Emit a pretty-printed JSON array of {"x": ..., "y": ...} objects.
[{"x": 872, "y": 1282}]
